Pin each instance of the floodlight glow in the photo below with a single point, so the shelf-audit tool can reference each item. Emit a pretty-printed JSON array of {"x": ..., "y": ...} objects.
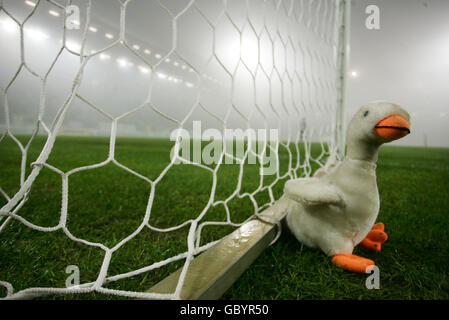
[
  {"x": 167, "y": 60},
  {"x": 175, "y": 63},
  {"x": 161, "y": 75},
  {"x": 9, "y": 25},
  {"x": 30, "y": 3},
  {"x": 143, "y": 69},
  {"x": 73, "y": 46},
  {"x": 93, "y": 29},
  {"x": 75, "y": 22},
  {"x": 109, "y": 36},
  {"x": 157, "y": 55},
  {"x": 122, "y": 62},
  {"x": 54, "y": 13},
  {"x": 104, "y": 56},
  {"x": 136, "y": 47},
  {"x": 183, "y": 67},
  {"x": 189, "y": 85},
  {"x": 354, "y": 74},
  {"x": 36, "y": 34},
  {"x": 146, "y": 51}
]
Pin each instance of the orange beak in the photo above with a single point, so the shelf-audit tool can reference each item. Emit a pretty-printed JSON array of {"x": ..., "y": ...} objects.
[{"x": 393, "y": 127}]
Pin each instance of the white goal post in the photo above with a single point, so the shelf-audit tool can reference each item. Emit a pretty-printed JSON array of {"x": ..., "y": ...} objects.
[{"x": 154, "y": 70}]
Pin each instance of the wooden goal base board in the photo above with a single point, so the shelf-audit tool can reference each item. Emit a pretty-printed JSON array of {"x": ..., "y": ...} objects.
[{"x": 212, "y": 272}]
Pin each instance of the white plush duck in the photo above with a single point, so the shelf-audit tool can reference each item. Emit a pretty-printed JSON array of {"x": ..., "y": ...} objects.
[{"x": 336, "y": 210}]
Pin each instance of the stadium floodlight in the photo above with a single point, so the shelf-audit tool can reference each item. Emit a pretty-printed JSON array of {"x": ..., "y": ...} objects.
[
  {"x": 36, "y": 34},
  {"x": 122, "y": 62},
  {"x": 30, "y": 3},
  {"x": 161, "y": 75},
  {"x": 279, "y": 65},
  {"x": 104, "y": 56},
  {"x": 54, "y": 13},
  {"x": 9, "y": 26},
  {"x": 144, "y": 69},
  {"x": 72, "y": 45}
]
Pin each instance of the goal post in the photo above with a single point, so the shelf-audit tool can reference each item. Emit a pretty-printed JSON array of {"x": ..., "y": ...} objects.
[
  {"x": 142, "y": 135},
  {"x": 342, "y": 62}
]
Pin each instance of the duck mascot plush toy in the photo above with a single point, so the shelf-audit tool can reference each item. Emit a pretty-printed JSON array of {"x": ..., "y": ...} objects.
[{"x": 337, "y": 210}]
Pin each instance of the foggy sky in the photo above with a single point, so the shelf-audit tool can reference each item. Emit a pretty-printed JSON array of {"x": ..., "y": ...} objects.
[
  {"x": 406, "y": 62},
  {"x": 223, "y": 63}
]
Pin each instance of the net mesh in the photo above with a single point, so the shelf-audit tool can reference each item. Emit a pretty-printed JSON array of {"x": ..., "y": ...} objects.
[{"x": 229, "y": 64}]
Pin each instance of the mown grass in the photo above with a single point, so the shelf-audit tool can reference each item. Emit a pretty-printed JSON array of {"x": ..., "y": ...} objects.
[{"x": 108, "y": 203}]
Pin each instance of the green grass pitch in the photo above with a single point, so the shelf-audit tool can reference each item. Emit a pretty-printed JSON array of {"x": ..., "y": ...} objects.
[{"x": 107, "y": 204}]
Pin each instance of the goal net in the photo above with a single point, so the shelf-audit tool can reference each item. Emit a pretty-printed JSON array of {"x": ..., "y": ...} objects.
[{"x": 137, "y": 134}]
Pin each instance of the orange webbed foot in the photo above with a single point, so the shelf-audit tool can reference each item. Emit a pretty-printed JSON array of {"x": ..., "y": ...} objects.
[
  {"x": 351, "y": 262},
  {"x": 374, "y": 239}
]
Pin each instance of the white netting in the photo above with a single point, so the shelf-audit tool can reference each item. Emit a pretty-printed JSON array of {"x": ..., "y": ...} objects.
[{"x": 231, "y": 64}]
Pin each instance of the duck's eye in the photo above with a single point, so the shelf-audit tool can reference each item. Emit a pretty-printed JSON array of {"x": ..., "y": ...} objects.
[{"x": 366, "y": 113}]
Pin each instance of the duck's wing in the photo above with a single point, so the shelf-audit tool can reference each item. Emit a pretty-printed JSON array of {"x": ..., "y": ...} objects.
[{"x": 313, "y": 191}]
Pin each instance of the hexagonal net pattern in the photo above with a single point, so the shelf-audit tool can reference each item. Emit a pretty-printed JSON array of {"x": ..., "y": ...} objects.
[{"x": 254, "y": 64}]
